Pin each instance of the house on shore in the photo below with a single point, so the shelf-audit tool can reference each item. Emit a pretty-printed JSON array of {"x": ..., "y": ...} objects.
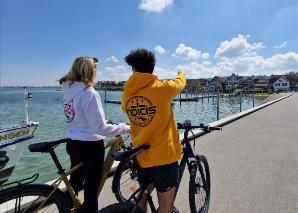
[
  {"x": 110, "y": 85},
  {"x": 261, "y": 83},
  {"x": 293, "y": 82},
  {"x": 279, "y": 83},
  {"x": 246, "y": 83},
  {"x": 232, "y": 82},
  {"x": 217, "y": 84}
]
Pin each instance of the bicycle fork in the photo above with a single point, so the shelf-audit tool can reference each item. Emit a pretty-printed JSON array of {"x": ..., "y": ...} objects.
[{"x": 199, "y": 166}]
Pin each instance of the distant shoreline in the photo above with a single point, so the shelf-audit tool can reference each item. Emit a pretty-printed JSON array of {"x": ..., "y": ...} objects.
[
  {"x": 54, "y": 87},
  {"x": 58, "y": 88}
]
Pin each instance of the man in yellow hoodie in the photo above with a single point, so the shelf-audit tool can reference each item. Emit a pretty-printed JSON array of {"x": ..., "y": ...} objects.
[{"x": 147, "y": 102}]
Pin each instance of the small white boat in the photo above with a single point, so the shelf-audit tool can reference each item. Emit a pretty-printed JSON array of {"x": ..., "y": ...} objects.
[
  {"x": 12, "y": 143},
  {"x": 13, "y": 140}
]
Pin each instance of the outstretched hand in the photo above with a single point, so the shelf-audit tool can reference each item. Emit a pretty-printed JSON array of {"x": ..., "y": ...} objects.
[{"x": 128, "y": 129}]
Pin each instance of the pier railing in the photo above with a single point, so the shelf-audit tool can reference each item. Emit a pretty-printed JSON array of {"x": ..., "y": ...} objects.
[{"x": 205, "y": 96}]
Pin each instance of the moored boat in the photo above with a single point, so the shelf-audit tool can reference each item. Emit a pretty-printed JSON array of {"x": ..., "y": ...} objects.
[
  {"x": 13, "y": 140},
  {"x": 12, "y": 143}
]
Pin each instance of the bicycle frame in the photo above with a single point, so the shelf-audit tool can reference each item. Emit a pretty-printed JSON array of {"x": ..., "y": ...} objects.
[
  {"x": 188, "y": 157},
  {"x": 139, "y": 192},
  {"x": 114, "y": 145},
  {"x": 188, "y": 153}
]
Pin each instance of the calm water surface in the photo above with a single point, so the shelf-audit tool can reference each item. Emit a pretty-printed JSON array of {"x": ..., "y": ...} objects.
[{"x": 46, "y": 108}]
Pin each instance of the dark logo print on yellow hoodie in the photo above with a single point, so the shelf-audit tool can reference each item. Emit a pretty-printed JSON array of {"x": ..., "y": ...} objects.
[{"x": 140, "y": 110}]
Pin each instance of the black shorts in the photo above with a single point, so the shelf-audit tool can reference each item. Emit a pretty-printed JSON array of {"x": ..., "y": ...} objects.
[{"x": 164, "y": 177}]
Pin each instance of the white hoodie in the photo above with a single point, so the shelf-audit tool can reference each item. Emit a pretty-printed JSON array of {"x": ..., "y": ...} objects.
[{"x": 85, "y": 118}]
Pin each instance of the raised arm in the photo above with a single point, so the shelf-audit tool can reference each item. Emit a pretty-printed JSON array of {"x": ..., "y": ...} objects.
[{"x": 171, "y": 88}]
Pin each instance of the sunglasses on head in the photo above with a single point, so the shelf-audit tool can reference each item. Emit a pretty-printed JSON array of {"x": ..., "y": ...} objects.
[{"x": 95, "y": 60}]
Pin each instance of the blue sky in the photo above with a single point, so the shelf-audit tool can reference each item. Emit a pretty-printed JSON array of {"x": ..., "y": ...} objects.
[{"x": 41, "y": 38}]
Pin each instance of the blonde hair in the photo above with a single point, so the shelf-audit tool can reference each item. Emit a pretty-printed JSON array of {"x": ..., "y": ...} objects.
[{"x": 83, "y": 69}]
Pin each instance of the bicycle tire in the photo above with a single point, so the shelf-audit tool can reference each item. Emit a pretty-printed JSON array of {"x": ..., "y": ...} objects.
[
  {"x": 27, "y": 198},
  {"x": 199, "y": 184},
  {"x": 124, "y": 183},
  {"x": 121, "y": 208}
]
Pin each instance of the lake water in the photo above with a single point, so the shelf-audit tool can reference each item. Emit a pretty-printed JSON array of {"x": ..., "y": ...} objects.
[{"x": 46, "y": 108}]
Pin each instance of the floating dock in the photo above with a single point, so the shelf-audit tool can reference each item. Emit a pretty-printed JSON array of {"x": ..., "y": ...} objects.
[{"x": 112, "y": 101}]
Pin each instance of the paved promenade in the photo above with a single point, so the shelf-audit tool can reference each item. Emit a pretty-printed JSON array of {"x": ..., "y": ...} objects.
[{"x": 253, "y": 164}]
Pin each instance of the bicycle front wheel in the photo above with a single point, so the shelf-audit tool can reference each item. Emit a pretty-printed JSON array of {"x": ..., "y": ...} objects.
[
  {"x": 125, "y": 182},
  {"x": 199, "y": 186},
  {"x": 28, "y": 198}
]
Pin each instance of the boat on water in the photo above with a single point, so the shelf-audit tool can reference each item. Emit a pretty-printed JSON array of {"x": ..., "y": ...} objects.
[{"x": 13, "y": 140}]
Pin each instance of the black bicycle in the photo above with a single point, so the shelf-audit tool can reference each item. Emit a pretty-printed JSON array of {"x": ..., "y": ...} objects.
[{"x": 129, "y": 186}]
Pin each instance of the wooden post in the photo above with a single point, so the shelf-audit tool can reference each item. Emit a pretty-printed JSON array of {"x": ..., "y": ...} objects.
[
  {"x": 202, "y": 96},
  {"x": 253, "y": 98},
  {"x": 240, "y": 97},
  {"x": 208, "y": 96},
  {"x": 180, "y": 98},
  {"x": 218, "y": 105}
]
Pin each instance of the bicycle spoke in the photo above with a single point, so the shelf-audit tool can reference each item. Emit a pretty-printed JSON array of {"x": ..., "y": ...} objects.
[
  {"x": 32, "y": 198},
  {"x": 200, "y": 186}
]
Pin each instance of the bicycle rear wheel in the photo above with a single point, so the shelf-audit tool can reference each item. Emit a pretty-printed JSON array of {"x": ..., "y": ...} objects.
[
  {"x": 199, "y": 186},
  {"x": 121, "y": 208},
  {"x": 28, "y": 198},
  {"x": 125, "y": 182}
]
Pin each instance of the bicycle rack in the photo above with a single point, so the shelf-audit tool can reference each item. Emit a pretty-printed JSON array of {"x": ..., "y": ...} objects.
[{"x": 22, "y": 181}]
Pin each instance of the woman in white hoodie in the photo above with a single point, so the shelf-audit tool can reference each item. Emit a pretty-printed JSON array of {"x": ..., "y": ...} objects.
[{"x": 86, "y": 128}]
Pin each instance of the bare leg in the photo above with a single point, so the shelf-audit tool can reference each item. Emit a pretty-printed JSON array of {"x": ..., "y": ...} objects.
[
  {"x": 166, "y": 200},
  {"x": 143, "y": 202}
]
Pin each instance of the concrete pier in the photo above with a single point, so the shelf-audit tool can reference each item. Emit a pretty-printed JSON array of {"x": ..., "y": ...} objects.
[{"x": 253, "y": 163}]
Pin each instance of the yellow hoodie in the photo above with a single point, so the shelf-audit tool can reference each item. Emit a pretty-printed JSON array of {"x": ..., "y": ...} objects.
[{"x": 147, "y": 103}]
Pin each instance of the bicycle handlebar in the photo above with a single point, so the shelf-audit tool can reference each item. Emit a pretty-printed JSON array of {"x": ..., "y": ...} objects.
[{"x": 187, "y": 126}]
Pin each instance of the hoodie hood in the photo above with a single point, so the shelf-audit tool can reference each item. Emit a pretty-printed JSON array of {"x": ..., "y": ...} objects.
[
  {"x": 138, "y": 81},
  {"x": 71, "y": 91}
]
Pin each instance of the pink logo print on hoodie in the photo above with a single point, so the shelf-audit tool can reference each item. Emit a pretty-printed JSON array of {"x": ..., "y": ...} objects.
[{"x": 69, "y": 111}]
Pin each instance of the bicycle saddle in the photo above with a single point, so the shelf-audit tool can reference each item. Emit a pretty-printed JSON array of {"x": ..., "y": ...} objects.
[
  {"x": 45, "y": 146},
  {"x": 130, "y": 154}
]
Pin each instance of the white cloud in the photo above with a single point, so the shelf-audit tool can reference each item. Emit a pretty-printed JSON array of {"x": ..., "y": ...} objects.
[
  {"x": 187, "y": 52},
  {"x": 159, "y": 49},
  {"x": 198, "y": 70},
  {"x": 205, "y": 56},
  {"x": 235, "y": 56},
  {"x": 252, "y": 65},
  {"x": 112, "y": 59},
  {"x": 245, "y": 65},
  {"x": 237, "y": 47},
  {"x": 206, "y": 62},
  {"x": 163, "y": 73},
  {"x": 155, "y": 6},
  {"x": 282, "y": 45},
  {"x": 117, "y": 73}
]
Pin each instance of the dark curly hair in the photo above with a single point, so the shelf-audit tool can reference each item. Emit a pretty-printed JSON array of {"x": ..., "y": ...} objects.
[{"x": 141, "y": 60}]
